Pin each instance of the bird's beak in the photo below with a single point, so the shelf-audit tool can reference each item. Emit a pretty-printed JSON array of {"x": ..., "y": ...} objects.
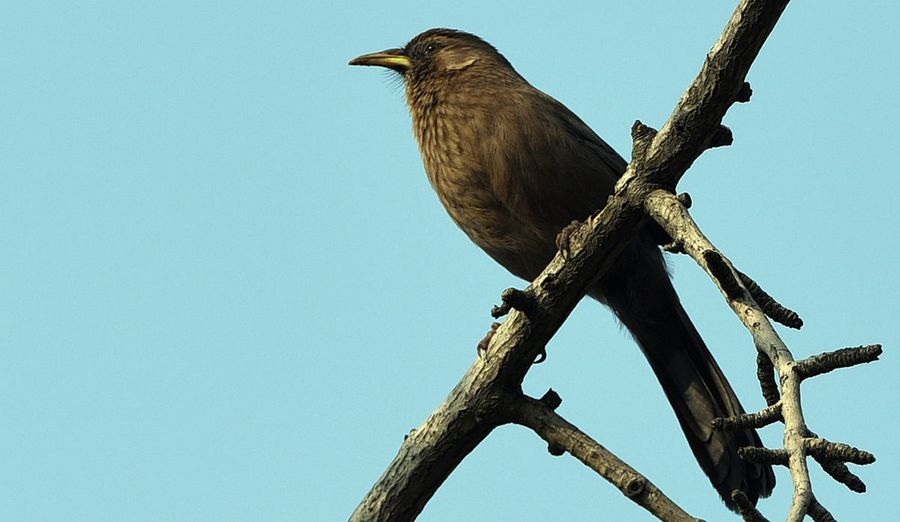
[{"x": 392, "y": 59}]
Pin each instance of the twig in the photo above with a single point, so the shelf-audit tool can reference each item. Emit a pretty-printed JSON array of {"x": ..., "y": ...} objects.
[
  {"x": 818, "y": 513},
  {"x": 824, "y": 449},
  {"x": 746, "y": 508},
  {"x": 770, "y": 415},
  {"x": 770, "y": 306},
  {"x": 843, "y": 358},
  {"x": 561, "y": 435},
  {"x": 841, "y": 473}
]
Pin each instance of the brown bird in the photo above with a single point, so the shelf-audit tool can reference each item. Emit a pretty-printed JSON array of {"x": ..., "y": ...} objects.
[{"x": 513, "y": 166}]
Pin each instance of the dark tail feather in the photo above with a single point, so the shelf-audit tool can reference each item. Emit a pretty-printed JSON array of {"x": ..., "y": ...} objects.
[{"x": 647, "y": 304}]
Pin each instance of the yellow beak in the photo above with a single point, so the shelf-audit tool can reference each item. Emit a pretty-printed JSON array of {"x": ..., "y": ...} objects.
[{"x": 392, "y": 59}]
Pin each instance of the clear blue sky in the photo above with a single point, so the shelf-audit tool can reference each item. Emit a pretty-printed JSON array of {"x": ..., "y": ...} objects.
[{"x": 228, "y": 291}]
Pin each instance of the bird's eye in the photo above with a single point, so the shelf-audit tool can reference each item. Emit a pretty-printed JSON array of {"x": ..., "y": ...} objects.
[{"x": 430, "y": 48}]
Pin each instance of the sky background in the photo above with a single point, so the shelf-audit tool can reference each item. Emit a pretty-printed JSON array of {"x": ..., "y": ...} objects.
[{"x": 227, "y": 290}]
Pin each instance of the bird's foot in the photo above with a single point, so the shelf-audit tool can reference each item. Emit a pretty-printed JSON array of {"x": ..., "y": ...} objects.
[
  {"x": 565, "y": 236},
  {"x": 482, "y": 347}
]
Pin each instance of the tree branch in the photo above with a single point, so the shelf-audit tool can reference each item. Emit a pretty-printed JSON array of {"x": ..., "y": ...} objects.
[
  {"x": 490, "y": 394},
  {"x": 668, "y": 211},
  {"x": 562, "y": 436}
]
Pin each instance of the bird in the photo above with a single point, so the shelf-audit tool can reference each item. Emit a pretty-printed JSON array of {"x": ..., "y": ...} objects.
[{"x": 513, "y": 166}]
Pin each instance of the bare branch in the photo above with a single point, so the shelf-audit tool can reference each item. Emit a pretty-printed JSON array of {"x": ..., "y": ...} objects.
[
  {"x": 770, "y": 306},
  {"x": 824, "y": 449},
  {"x": 721, "y": 82},
  {"x": 746, "y": 508},
  {"x": 841, "y": 473},
  {"x": 818, "y": 512},
  {"x": 843, "y": 358},
  {"x": 665, "y": 208},
  {"x": 765, "y": 455},
  {"x": 770, "y": 415},
  {"x": 674, "y": 218},
  {"x": 561, "y": 435}
]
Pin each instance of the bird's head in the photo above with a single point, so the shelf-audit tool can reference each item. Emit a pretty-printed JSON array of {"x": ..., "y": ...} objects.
[{"x": 439, "y": 54}]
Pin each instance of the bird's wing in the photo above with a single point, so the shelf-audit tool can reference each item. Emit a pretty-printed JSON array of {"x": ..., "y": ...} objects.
[
  {"x": 601, "y": 150},
  {"x": 554, "y": 168}
]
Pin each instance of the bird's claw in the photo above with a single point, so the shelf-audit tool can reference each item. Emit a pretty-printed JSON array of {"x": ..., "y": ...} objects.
[
  {"x": 564, "y": 238},
  {"x": 482, "y": 347}
]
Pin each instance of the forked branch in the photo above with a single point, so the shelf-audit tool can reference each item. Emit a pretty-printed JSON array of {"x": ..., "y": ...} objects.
[
  {"x": 785, "y": 407},
  {"x": 489, "y": 394}
]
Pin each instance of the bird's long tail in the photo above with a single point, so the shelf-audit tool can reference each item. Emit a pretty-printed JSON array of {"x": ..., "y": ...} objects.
[{"x": 645, "y": 301}]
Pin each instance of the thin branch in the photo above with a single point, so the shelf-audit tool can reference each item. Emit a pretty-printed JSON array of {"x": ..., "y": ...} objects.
[
  {"x": 843, "y": 358},
  {"x": 764, "y": 455},
  {"x": 818, "y": 513},
  {"x": 824, "y": 449},
  {"x": 841, "y": 473},
  {"x": 770, "y": 306},
  {"x": 746, "y": 508},
  {"x": 786, "y": 406},
  {"x": 665, "y": 208},
  {"x": 762, "y": 418},
  {"x": 561, "y": 435}
]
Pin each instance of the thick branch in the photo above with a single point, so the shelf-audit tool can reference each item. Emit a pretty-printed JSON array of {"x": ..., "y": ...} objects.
[
  {"x": 698, "y": 116},
  {"x": 472, "y": 410}
]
